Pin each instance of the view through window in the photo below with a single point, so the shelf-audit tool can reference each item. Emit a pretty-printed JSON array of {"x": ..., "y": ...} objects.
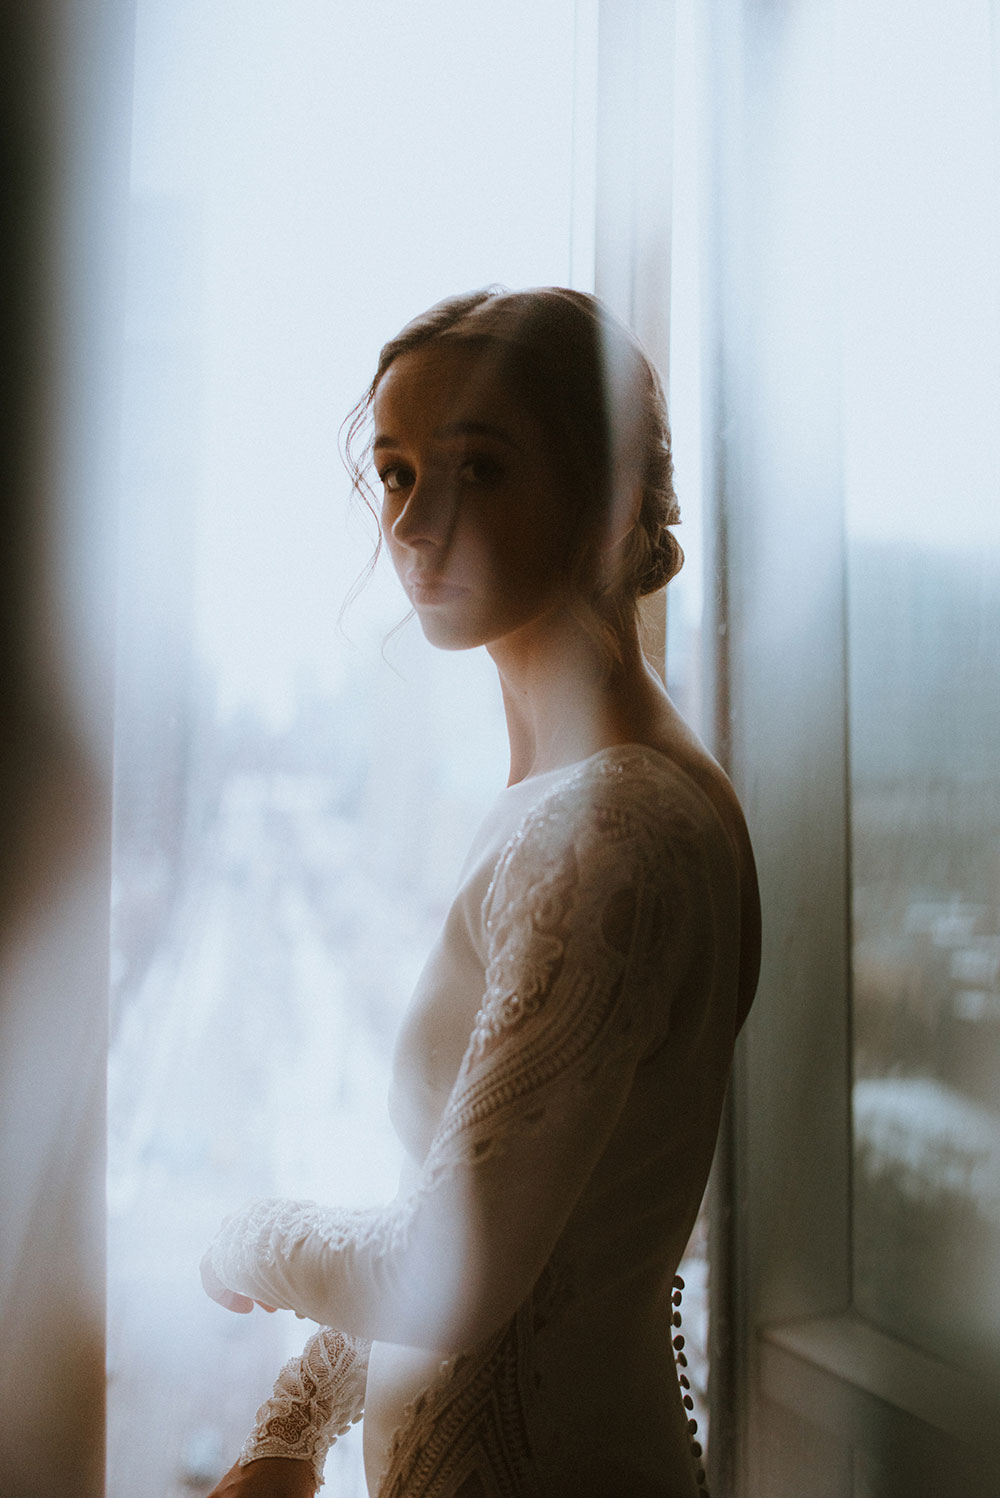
[
  {"x": 293, "y": 797},
  {"x": 922, "y": 296}
]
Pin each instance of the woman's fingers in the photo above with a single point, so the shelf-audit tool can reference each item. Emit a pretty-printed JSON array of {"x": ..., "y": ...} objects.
[
  {"x": 214, "y": 1287},
  {"x": 231, "y": 1299}
]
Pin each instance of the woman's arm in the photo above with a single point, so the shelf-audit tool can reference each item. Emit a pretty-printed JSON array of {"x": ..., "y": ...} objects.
[
  {"x": 316, "y": 1398},
  {"x": 586, "y": 921}
]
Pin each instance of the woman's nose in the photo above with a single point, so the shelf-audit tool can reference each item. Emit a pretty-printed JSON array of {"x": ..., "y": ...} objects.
[{"x": 427, "y": 515}]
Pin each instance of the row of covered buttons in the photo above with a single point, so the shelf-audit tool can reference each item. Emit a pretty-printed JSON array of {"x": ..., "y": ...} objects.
[{"x": 685, "y": 1384}]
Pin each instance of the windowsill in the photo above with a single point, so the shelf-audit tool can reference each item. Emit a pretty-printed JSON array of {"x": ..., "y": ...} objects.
[{"x": 830, "y": 1369}]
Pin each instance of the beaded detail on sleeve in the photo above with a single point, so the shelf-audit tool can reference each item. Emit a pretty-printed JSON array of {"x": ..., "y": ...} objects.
[{"x": 316, "y": 1398}]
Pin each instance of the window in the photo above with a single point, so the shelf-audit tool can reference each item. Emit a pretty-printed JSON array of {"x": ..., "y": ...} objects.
[
  {"x": 856, "y": 308},
  {"x": 293, "y": 800},
  {"x": 923, "y": 588}
]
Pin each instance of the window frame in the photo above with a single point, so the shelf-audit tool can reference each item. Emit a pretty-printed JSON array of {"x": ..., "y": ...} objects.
[{"x": 821, "y": 1401}]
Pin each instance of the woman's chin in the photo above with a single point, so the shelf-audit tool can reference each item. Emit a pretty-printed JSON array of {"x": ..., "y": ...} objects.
[{"x": 446, "y": 634}]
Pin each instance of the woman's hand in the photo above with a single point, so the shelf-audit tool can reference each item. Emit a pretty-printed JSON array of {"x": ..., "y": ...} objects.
[
  {"x": 214, "y": 1287},
  {"x": 232, "y": 1301},
  {"x": 268, "y": 1477}
]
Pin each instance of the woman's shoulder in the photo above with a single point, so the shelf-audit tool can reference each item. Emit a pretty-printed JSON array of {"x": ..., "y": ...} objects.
[
  {"x": 631, "y": 821},
  {"x": 631, "y": 788},
  {"x": 630, "y": 809}
]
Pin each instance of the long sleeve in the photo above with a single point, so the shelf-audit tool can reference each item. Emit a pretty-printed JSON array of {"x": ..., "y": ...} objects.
[
  {"x": 316, "y": 1398},
  {"x": 588, "y": 935}
]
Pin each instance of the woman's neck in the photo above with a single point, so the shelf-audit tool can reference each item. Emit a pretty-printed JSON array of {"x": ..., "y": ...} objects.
[{"x": 563, "y": 704}]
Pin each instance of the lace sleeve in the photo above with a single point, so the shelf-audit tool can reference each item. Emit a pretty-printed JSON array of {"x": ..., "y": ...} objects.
[
  {"x": 316, "y": 1398},
  {"x": 588, "y": 930}
]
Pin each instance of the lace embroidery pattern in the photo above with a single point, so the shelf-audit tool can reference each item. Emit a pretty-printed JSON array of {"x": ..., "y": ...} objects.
[
  {"x": 267, "y": 1233},
  {"x": 586, "y": 923},
  {"x": 576, "y": 917},
  {"x": 468, "y": 1435},
  {"x": 316, "y": 1398}
]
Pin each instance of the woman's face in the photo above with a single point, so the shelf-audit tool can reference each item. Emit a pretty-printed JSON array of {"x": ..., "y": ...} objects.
[{"x": 476, "y": 516}]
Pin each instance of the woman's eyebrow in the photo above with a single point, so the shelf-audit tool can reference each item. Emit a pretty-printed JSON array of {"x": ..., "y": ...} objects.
[
  {"x": 475, "y": 429},
  {"x": 456, "y": 429}
]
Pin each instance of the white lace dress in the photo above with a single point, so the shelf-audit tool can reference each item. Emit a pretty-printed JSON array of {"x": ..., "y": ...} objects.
[{"x": 506, "y": 1323}]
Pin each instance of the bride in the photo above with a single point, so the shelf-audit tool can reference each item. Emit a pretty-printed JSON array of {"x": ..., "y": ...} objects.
[{"x": 507, "y": 1324}]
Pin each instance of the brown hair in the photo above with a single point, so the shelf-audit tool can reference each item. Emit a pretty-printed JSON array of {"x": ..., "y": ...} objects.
[{"x": 598, "y": 398}]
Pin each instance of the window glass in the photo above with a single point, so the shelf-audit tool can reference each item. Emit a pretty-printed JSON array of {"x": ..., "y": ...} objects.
[
  {"x": 292, "y": 802},
  {"x": 922, "y": 374},
  {"x": 294, "y": 795}
]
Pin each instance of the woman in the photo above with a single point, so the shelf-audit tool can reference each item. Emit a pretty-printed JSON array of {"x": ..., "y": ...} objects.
[{"x": 506, "y": 1323}]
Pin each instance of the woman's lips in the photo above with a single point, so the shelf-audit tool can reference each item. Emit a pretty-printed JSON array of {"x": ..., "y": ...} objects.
[{"x": 432, "y": 590}]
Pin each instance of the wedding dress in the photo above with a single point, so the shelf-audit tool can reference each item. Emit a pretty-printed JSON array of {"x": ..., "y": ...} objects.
[{"x": 507, "y": 1322}]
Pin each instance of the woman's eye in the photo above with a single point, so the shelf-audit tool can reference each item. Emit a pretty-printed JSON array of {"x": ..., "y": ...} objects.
[
  {"x": 480, "y": 470},
  {"x": 395, "y": 477}
]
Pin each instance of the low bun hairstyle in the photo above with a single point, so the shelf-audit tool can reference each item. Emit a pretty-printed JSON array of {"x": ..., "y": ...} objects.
[{"x": 587, "y": 381}]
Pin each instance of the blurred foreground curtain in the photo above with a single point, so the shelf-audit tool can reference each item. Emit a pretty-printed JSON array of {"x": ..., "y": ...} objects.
[{"x": 64, "y": 72}]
